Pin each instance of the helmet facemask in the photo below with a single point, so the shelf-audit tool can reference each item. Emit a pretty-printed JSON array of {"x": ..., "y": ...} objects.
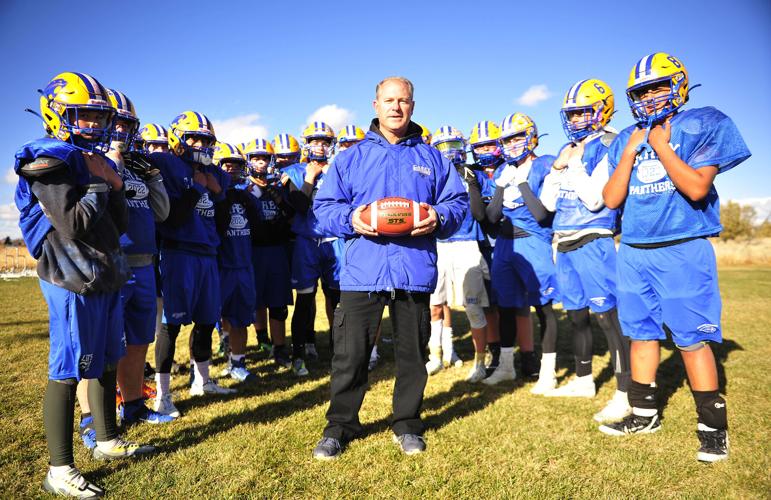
[
  {"x": 590, "y": 122},
  {"x": 124, "y": 140},
  {"x": 319, "y": 148},
  {"x": 202, "y": 154},
  {"x": 650, "y": 110},
  {"x": 489, "y": 158},
  {"x": 517, "y": 147},
  {"x": 453, "y": 150},
  {"x": 87, "y": 138}
]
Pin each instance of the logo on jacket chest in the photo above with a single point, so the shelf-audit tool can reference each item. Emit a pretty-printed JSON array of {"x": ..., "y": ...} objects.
[
  {"x": 425, "y": 171},
  {"x": 268, "y": 209}
]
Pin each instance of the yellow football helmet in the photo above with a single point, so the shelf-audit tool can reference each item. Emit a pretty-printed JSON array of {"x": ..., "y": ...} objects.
[
  {"x": 513, "y": 125},
  {"x": 257, "y": 147},
  {"x": 349, "y": 135},
  {"x": 192, "y": 124},
  {"x": 152, "y": 134},
  {"x": 594, "y": 100},
  {"x": 67, "y": 95},
  {"x": 230, "y": 160},
  {"x": 484, "y": 133},
  {"x": 425, "y": 134},
  {"x": 287, "y": 149},
  {"x": 125, "y": 111},
  {"x": 650, "y": 71},
  {"x": 451, "y": 143},
  {"x": 318, "y": 130}
]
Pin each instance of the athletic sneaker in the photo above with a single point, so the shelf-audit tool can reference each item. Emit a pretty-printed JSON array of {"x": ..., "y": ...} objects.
[
  {"x": 298, "y": 368},
  {"x": 327, "y": 449},
  {"x": 281, "y": 356},
  {"x": 632, "y": 424},
  {"x": 545, "y": 384},
  {"x": 88, "y": 433},
  {"x": 239, "y": 372},
  {"x": 453, "y": 360},
  {"x": 165, "y": 406},
  {"x": 501, "y": 374},
  {"x": 145, "y": 415},
  {"x": 434, "y": 364},
  {"x": 476, "y": 374},
  {"x": 577, "y": 387},
  {"x": 616, "y": 409},
  {"x": 411, "y": 444},
  {"x": 123, "y": 449},
  {"x": 311, "y": 352},
  {"x": 209, "y": 387},
  {"x": 71, "y": 484},
  {"x": 714, "y": 444}
]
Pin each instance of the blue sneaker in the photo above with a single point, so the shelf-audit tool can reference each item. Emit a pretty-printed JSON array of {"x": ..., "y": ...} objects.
[
  {"x": 88, "y": 433},
  {"x": 145, "y": 415}
]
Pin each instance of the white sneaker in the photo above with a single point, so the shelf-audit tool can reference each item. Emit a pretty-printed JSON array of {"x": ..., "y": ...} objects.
[
  {"x": 616, "y": 409},
  {"x": 453, "y": 360},
  {"x": 209, "y": 387},
  {"x": 165, "y": 406},
  {"x": 501, "y": 374},
  {"x": 434, "y": 364},
  {"x": 476, "y": 374},
  {"x": 545, "y": 384},
  {"x": 71, "y": 484},
  {"x": 577, "y": 387}
]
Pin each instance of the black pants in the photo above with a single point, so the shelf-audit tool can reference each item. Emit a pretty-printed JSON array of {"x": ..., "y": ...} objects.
[{"x": 356, "y": 322}]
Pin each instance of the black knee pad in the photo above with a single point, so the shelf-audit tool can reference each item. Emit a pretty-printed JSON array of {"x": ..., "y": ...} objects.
[
  {"x": 711, "y": 408},
  {"x": 278, "y": 313},
  {"x": 201, "y": 342}
]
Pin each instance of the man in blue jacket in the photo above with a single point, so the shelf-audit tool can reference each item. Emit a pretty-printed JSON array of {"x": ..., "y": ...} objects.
[{"x": 377, "y": 271}]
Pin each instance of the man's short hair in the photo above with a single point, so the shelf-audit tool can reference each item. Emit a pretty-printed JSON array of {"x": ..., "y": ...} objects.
[{"x": 398, "y": 79}]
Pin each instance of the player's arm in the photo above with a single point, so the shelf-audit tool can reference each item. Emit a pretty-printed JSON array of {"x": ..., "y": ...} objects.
[
  {"x": 694, "y": 183},
  {"x": 300, "y": 198},
  {"x": 476, "y": 204},
  {"x": 615, "y": 191},
  {"x": 452, "y": 201},
  {"x": 589, "y": 187},
  {"x": 494, "y": 210}
]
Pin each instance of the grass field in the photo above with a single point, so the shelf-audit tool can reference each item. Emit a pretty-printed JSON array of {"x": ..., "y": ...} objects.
[{"x": 484, "y": 442}]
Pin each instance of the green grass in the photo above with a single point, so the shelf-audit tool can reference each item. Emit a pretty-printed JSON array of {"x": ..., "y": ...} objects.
[{"x": 484, "y": 442}]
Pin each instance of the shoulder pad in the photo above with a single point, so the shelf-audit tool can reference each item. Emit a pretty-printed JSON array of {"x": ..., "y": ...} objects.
[
  {"x": 42, "y": 165},
  {"x": 607, "y": 138}
]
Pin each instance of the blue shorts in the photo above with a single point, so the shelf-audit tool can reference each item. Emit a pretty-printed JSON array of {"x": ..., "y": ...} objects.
[
  {"x": 86, "y": 332},
  {"x": 139, "y": 306},
  {"x": 674, "y": 286},
  {"x": 237, "y": 286},
  {"x": 271, "y": 276},
  {"x": 191, "y": 288},
  {"x": 587, "y": 276},
  {"x": 523, "y": 272},
  {"x": 312, "y": 260}
]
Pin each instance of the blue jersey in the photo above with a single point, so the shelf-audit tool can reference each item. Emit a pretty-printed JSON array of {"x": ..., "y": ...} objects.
[
  {"x": 305, "y": 224},
  {"x": 199, "y": 232},
  {"x": 519, "y": 214},
  {"x": 235, "y": 251},
  {"x": 654, "y": 210},
  {"x": 469, "y": 230},
  {"x": 139, "y": 237},
  {"x": 571, "y": 214}
]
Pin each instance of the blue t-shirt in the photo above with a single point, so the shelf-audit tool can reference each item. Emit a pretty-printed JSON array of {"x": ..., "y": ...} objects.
[
  {"x": 654, "y": 210},
  {"x": 199, "y": 232},
  {"x": 519, "y": 214},
  {"x": 571, "y": 214},
  {"x": 139, "y": 237},
  {"x": 235, "y": 251}
]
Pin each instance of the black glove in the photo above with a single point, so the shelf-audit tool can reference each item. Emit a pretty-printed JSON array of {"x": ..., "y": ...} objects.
[{"x": 140, "y": 165}]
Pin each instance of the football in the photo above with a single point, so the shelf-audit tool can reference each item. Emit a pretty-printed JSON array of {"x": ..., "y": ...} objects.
[{"x": 393, "y": 216}]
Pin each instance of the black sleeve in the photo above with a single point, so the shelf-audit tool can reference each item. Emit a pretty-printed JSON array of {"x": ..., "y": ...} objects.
[
  {"x": 252, "y": 212},
  {"x": 181, "y": 209},
  {"x": 222, "y": 215},
  {"x": 540, "y": 214},
  {"x": 300, "y": 199},
  {"x": 118, "y": 209},
  {"x": 280, "y": 201},
  {"x": 494, "y": 210},
  {"x": 475, "y": 201}
]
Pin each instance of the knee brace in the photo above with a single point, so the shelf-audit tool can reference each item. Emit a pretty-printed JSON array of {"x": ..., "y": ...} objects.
[
  {"x": 278, "y": 313},
  {"x": 692, "y": 347},
  {"x": 711, "y": 408},
  {"x": 201, "y": 342},
  {"x": 476, "y": 316}
]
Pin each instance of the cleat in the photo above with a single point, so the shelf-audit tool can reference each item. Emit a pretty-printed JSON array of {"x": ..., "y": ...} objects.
[
  {"x": 209, "y": 387},
  {"x": 632, "y": 424},
  {"x": 714, "y": 444},
  {"x": 88, "y": 433},
  {"x": 501, "y": 374},
  {"x": 144, "y": 415},
  {"x": 71, "y": 484},
  {"x": 280, "y": 357},
  {"x": 165, "y": 406},
  {"x": 298, "y": 368},
  {"x": 476, "y": 374},
  {"x": 411, "y": 444},
  {"x": 327, "y": 449},
  {"x": 577, "y": 387},
  {"x": 123, "y": 449},
  {"x": 616, "y": 409},
  {"x": 452, "y": 361},
  {"x": 311, "y": 352},
  {"x": 239, "y": 372}
]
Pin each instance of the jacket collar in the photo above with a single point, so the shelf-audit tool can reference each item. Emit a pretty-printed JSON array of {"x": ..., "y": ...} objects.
[{"x": 411, "y": 138}]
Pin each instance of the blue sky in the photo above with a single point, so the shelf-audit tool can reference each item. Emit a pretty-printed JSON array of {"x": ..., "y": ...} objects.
[{"x": 264, "y": 69}]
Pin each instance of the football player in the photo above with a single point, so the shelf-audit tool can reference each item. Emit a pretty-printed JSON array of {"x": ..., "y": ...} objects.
[
  {"x": 235, "y": 222},
  {"x": 190, "y": 278},
  {"x": 73, "y": 211},
  {"x": 523, "y": 272},
  {"x": 663, "y": 169},
  {"x": 348, "y": 136},
  {"x": 586, "y": 253},
  {"x": 316, "y": 255},
  {"x": 461, "y": 269}
]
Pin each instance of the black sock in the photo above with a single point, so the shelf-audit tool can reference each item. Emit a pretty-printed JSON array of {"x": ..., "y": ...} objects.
[
  {"x": 262, "y": 336},
  {"x": 508, "y": 326},
  {"x": 582, "y": 341},
  {"x": 58, "y": 420},
  {"x": 302, "y": 324},
  {"x": 495, "y": 352},
  {"x": 618, "y": 346},
  {"x": 548, "y": 321},
  {"x": 101, "y": 399},
  {"x": 711, "y": 408},
  {"x": 642, "y": 396}
]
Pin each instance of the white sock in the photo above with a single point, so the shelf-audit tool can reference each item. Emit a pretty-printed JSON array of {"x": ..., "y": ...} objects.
[
  {"x": 507, "y": 359},
  {"x": 162, "y": 384},
  {"x": 201, "y": 372},
  {"x": 548, "y": 363},
  {"x": 60, "y": 470},
  {"x": 447, "y": 348},
  {"x": 644, "y": 412},
  {"x": 107, "y": 445},
  {"x": 435, "y": 341},
  {"x": 585, "y": 380},
  {"x": 237, "y": 357}
]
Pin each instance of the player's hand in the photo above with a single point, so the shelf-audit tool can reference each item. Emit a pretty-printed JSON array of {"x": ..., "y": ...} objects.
[
  {"x": 561, "y": 163},
  {"x": 636, "y": 138},
  {"x": 660, "y": 134},
  {"x": 98, "y": 167},
  {"x": 358, "y": 225},
  {"x": 313, "y": 170},
  {"x": 199, "y": 178},
  {"x": 427, "y": 225},
  {"x": 507, "y": 176},
  {"x": 577, "y": 152},
  {"x": 212, "y": 184}
]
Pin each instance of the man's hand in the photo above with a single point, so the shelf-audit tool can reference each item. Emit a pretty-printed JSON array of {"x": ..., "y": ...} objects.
[
  {"x": 358, "y": 225},
  {"x": 635, "y": 139},
  {"x": 98, "y": 167},
  {"x": 427, "y": 225},
  {"x": 660, "y": 134},
  {"x": 212, "y": 184},
  {"x": 313, "y": 170}
]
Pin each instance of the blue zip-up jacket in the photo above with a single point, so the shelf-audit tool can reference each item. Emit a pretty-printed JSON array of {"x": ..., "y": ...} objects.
[{"x": 375, "y": 169}]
